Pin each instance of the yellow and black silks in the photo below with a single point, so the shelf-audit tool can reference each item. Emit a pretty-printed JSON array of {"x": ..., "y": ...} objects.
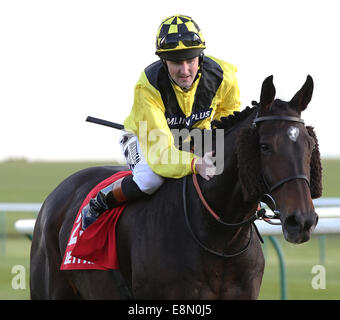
[{"x": 160, "y": 105}]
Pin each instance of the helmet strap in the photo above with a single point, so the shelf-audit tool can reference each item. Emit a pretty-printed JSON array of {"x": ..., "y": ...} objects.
[
  {"x": 165, "y": 66},
  {"x": 201, "y": 59}
]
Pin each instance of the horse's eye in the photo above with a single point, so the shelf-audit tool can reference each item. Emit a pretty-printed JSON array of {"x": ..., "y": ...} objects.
[{"x": 264, "y": 147}]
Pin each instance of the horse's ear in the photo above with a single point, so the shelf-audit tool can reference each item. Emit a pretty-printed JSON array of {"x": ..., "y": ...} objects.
[
  {"x": 267, "y": 93},
  {"x": 315, "y": 168},
  {"x": 303, "y": 96},
  {"x": 249, "y": 164}
]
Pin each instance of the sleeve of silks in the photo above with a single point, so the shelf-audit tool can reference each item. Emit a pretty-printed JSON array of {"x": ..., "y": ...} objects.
[
  {"x": 148, "y": 122},
  {"x": 230, "y": 93}
]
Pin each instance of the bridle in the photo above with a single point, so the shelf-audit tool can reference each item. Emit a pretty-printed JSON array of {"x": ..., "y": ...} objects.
[
  {"x": 284, "y": 180},
  {"x": 259, "y": 214}
]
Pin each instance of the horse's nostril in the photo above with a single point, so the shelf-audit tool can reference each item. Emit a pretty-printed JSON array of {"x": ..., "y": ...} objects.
[
  {"x": 311, "y": 221},
  {"x": 293, "y": 223},
  {"x": 296, "y": 222}
]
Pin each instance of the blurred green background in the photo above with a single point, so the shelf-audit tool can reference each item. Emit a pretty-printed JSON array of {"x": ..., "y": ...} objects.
[{"x": 24, "y": 181}]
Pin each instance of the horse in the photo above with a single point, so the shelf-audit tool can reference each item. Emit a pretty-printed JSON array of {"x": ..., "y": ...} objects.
[{"x": 169, "y": 245}]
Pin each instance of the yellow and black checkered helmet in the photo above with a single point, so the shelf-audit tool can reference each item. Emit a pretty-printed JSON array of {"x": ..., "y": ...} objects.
[{"x": 179, "y": 37}]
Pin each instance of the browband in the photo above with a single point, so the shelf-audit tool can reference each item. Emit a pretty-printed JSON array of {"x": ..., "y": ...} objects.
[{"x": 287, "y": 118}]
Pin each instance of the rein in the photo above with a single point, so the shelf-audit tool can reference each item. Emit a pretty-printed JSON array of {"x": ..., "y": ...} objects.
[
  {"x": 219, "y": 254},
  {"x": 214, "y": 214}
]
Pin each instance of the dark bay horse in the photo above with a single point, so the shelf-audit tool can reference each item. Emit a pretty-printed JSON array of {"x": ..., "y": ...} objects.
[{"x": 165, "y": 254}]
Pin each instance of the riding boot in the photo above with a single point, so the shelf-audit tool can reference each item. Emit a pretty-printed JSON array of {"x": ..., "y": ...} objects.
[{"x": 112, "y": 196}]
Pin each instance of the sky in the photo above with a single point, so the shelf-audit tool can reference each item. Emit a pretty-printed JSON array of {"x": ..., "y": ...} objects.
[{"x": 61, "y": 61}]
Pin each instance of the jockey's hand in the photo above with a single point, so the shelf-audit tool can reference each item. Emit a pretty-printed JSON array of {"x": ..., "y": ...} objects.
[{"x": 205, "y": 166}]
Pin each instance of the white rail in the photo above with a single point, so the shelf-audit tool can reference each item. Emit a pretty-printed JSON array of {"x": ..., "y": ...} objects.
[
  {"x": 325, "y": 226},
  {"x": 25, "y": 226},
  {"x": 19, "y": 207},
  {"x": 328, "y": 210}
]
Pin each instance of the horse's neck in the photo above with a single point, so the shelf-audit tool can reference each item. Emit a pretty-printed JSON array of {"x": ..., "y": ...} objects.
[{"x": 224, "y": 192}]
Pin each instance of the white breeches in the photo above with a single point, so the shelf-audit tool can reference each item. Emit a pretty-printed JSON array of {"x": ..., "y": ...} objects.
[{"x": 145, "y": 178}]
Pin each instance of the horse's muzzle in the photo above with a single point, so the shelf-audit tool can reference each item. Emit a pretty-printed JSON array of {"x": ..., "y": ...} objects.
[{"x": 297, "y": 227}]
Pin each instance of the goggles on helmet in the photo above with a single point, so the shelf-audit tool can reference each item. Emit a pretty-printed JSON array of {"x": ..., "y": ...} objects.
[{"x": 171, "y": 40}]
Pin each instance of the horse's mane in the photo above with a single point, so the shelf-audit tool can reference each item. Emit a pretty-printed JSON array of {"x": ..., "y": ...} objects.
[{"x": 230, "y": 121}]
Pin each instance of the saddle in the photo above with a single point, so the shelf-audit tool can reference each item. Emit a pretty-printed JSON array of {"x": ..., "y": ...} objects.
[{"x": 94, "y": 248}]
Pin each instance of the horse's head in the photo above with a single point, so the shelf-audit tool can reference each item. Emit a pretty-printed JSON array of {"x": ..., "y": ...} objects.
[{"x": 279, "y": 156}]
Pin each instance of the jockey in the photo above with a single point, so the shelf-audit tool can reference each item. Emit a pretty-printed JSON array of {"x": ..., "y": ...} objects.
[{"x": 184, "y": 89}]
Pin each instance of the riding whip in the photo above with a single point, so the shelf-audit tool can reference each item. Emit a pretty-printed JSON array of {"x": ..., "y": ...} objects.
[{"x": 105, "y": 123}]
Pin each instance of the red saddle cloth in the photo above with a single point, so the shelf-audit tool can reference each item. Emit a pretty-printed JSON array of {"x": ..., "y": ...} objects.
[{"x": 94, "y": 248}]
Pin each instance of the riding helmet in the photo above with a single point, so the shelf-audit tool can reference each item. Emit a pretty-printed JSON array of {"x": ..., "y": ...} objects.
[{"x": 179, "y": 38}]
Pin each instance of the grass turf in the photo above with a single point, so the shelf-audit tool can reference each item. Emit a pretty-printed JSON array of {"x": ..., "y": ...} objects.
[{"x": 23, "y": 181}]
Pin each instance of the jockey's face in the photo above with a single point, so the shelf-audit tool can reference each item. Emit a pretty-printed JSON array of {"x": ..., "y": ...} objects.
[{"x": 183, "y": 72}]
